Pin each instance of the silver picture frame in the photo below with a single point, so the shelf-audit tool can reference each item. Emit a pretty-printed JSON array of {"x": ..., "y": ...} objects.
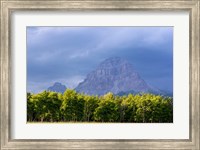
[{"x": 10, "y": 6}]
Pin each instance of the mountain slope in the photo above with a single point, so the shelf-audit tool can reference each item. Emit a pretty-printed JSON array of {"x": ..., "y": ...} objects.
[
  {"x": 57, "y": 87},
  {"x": 114, "y": 75}
]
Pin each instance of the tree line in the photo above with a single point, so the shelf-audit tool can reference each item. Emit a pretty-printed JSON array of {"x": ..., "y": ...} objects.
[{"x": 78, "y": 107}]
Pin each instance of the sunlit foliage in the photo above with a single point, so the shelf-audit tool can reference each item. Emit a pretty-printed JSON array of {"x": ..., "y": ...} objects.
[{"x": 77, "y": 107}]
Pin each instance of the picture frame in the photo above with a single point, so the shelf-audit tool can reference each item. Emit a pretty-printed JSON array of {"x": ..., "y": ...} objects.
[{"x": 9, "y": 7}]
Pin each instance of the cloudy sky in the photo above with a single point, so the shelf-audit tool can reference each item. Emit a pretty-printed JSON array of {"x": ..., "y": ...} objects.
[{"x": 68, "y": 54}]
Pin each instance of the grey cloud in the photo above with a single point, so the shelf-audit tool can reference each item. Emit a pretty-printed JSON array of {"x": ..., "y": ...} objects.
[{"x": 61, "y": 53}]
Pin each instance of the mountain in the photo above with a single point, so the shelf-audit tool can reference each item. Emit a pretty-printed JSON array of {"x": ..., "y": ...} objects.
[
  {"x": 57, "y": 87},
  {"x": 115, "y": 75}
]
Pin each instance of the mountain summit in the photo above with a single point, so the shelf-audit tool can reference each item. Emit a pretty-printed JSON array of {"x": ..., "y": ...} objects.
[
  {"x": 114, "y": 75},
  {"x": 57, "y": 87}
]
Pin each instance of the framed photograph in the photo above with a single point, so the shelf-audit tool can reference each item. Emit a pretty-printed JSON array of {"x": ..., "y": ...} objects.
[
  {"x": 94, "y": 79},
  {"x": 100, "y": 74}
]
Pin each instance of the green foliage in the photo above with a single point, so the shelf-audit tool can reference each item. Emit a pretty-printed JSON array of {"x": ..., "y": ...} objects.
[
  {"x": 108, "y": 110},
  {"x": 72, "y": 106},
  {"x": 91, "y": 104},
  {"x": 43, "y": 106}
]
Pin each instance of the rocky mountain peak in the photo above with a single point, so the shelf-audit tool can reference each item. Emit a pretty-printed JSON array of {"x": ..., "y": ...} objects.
[
  {"x": 57, "y": 87},
  {"x": 114, "y": 75}
]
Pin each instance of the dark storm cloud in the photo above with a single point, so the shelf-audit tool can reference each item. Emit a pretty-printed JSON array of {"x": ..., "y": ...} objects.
[{"x": 68, "y": 54}]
